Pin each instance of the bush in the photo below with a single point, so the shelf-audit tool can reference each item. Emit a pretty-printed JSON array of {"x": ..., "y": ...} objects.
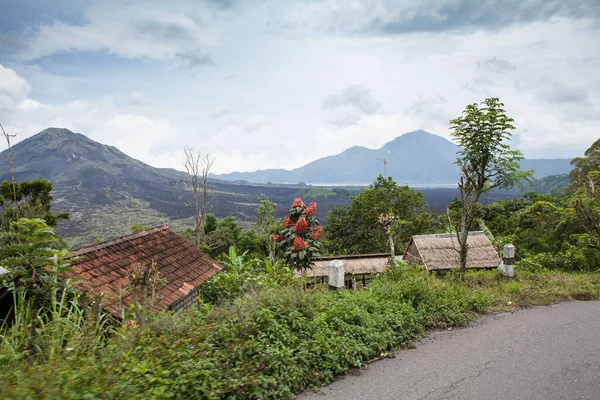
[
  {"x": 272, "y": 342},
  {"x": 241, "y": 275},
  {"x": 268, "y": 343}
]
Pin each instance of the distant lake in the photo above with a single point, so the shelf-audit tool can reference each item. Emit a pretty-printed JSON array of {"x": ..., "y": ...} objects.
[{"x": 416, "y": 184}]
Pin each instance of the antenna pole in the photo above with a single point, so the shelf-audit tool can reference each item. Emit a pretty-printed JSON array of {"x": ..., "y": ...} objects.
[
  {"x": 8, "y": 136},
  {"x": 385, "y": 162}
]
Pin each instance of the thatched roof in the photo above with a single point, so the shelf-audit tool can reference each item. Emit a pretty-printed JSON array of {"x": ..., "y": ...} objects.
[
  {"x": 364, "y": 264},
  {"x": 440, "y": 251}
]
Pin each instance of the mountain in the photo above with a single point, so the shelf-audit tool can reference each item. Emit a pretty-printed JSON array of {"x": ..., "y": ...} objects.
[
  {"x": 106, "y": 192},
  {"x": 417, "y": 156}
]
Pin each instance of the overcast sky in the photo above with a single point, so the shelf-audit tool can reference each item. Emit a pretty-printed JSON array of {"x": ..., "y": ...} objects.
[{"x": 276, "y": 84}]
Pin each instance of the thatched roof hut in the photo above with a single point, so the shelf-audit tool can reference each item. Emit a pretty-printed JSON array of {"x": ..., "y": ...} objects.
[
  {"x": 363, "y": 264},
  {"x": 440, "y": 251}
]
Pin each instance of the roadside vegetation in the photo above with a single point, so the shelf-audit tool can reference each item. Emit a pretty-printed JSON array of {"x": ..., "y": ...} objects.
[{"x": 269, "y": 342}]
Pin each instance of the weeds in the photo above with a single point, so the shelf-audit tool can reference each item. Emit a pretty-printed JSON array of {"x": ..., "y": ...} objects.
[{"x": 269, "y": 343}]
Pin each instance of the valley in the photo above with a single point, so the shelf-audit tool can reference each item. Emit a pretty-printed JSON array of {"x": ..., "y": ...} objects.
[{"x": 106, "y": 192}]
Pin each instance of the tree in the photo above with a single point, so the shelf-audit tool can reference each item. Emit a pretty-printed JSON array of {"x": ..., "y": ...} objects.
[
  {"x": 268, "y": 225},
  {"x": 485, "y": 160},
  {"x": 34, "y": 256},
  {"x": 197, "y": 167},
  {"x": 380, "y": 217},
  {"x": 28, "y": 199},
  {"x": 585, "y": 184}
]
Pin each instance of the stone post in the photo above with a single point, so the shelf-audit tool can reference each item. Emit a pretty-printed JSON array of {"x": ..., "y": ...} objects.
[
  {"x": 336, "y": 275},
  {"x": 508, "y": 261}
]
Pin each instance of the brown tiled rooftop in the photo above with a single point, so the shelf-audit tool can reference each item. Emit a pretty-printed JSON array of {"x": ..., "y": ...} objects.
[{"x": 105, "y": 267}]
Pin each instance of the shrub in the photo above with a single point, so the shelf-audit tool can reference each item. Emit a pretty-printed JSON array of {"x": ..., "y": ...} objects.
[{"x": 272, "y": 342}]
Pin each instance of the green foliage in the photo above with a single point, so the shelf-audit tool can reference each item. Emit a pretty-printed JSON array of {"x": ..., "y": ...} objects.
[
  {"x": 268, "y": 225},
  {"x": 585, "y": 167},
  {"x": 554, "y": 185},
  {"x": 26, "y": 251},
  {"x": 550, "y": 232},
  {"x": 274, "y": 342},
  {"x": 46, "y": 318},
  {"x": 585, "y": 179},
  {"x": 485, "y": 161},
  {"x": 137, "y": 228},
  {"x": 546, "y": 232},
  {"x": 243, "y": 275},
  {"x": 354, "y": 229},
  {"x": 33, "y": 200},
  {"x": 317, "y": 192},
  {"x": 227, "y": 232}
]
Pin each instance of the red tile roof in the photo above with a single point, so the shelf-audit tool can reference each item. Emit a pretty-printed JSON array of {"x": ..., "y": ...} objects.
[{"x": 105, "y": 267}]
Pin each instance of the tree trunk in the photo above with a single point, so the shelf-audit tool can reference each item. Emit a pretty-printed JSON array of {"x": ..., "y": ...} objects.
[
  {"x": 391, "y": 242},
  {"x": 463, "y": 235},
  {"x": 463, "y": 256},
  {"x": 271, "y": 249}
]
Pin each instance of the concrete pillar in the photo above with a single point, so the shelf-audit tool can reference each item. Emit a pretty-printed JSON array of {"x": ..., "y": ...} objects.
[
  {"x": 508, "y": 261},
  {"x": 336, "y": 274}
]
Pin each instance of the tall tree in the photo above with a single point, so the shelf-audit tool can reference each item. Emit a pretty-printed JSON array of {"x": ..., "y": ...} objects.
[
  {"x": 486, "y": 161},
  {"x": 380, "y": 217},
  {"x": 28, "y": 199},
  {"x": 268, "y": 225},
  {"x": 197, "y": 167},
  {"x": 585, "y": 183}
]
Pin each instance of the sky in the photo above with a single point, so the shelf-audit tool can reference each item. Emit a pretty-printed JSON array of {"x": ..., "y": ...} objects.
[{"x": 279, "y": 83}]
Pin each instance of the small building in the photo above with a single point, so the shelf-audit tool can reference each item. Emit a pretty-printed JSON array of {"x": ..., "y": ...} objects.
[
  {"x": 104, "y": 269},
  {"x": 440, "y": 251},
  {"x": 357, "y": 268}
]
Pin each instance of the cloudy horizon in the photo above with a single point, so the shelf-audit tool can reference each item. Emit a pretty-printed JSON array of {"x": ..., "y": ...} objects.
[{"x": 277, "y": 84}]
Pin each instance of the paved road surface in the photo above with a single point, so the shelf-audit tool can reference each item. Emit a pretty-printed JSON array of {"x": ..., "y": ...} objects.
[{"x": 540, "y": 353}]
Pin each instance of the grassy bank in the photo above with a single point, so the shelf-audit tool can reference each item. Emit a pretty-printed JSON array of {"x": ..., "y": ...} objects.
[{"x": 276, "y": 342}]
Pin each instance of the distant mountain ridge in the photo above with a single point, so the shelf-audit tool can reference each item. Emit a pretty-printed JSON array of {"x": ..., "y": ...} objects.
[
  {"x": 106, "y": 192},
  {"x": 417, "y": 156}
]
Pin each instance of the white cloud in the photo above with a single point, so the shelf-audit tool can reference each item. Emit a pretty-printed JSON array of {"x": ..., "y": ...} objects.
[
  {"x": 149, "y": 29},
  {"x": 356, "y": 96},
  {"x": 13, "y": 88},
  {"x": 295, "y": 95}
]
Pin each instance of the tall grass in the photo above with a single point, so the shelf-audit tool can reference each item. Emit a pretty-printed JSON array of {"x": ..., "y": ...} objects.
[
  {"x": 60, "y": 327},
  {"x": 270, "y": 342}
]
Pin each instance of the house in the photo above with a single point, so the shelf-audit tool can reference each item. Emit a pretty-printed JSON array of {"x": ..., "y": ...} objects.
[
  {"x": 440, "y": 251},
  {"x": 357, "y": 268},
  {"x": 104, "y": 269}
]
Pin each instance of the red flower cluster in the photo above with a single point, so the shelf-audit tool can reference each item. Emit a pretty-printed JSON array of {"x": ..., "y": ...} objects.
[
  {"x": 311, "y": 209},
  {"x": 316, "y": 234},
  {"x": 299, "y": 244},
  {"x": 298, "y": 202},
  {"x": 301, "y": 226},
  {"x": 287, "y": 222},
  {"x": 277, "y": 238}
]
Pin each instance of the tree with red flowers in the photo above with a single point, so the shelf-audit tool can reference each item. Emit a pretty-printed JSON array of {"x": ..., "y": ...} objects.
[{"x": 300, "y": 238}]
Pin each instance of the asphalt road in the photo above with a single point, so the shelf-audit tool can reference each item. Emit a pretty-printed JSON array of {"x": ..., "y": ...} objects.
[{"x": 541, "y": 353}]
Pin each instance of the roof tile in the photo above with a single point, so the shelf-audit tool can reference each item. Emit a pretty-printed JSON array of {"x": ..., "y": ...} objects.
[{"x": 105, "y": 267}]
